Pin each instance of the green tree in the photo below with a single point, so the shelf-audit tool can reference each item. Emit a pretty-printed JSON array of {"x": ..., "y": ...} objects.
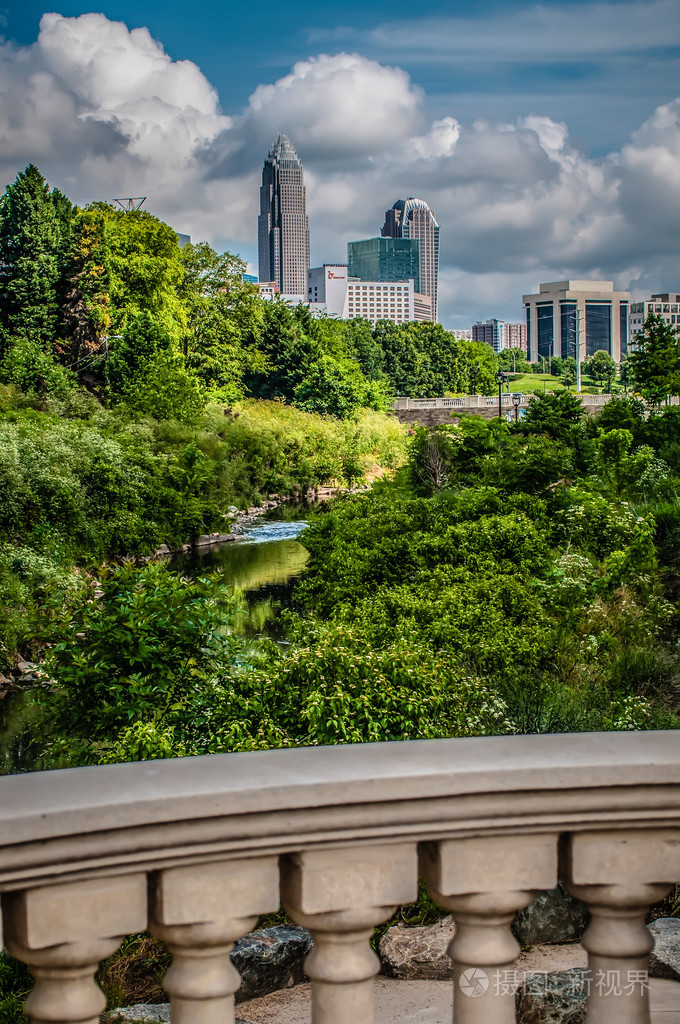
[
  {"x": 287, "y": 350},
  {"x": 151, "y": 642},
  {"x": 331, "y": 388},
  {"x": 655, "y": 360},
  {"x": 424, "y": 359},
  {"x": 625, "y": 413},
  {"x": 513, "y": 360},
  {"x": 624, "y": 468},
  {"x": 555, "y": 413},
  {"x": 568, "y": 372},
  {"x": 220, "y": 307},
  {"x": 362, "y": 344},
  {"x": 124, "y": 264},
  {"x": 600, "y": 366},
  {"x": 146, "y": 373},
  {"x": 35, "y": 227}
]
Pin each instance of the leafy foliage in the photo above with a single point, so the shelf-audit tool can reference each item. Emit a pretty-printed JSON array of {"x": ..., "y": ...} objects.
[
  {"x": 655, "y": 361},
  {"x": 34, "y": 231}
]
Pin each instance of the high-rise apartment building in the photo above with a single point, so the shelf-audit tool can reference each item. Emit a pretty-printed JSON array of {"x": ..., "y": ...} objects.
[
  {"x": 500, "y": 335},
  {"x": 384, "y": 259},
  {"x": 282, "y": 226},
  {"x": 413, "y": 218},
  {"x": 566, "y": 318}
]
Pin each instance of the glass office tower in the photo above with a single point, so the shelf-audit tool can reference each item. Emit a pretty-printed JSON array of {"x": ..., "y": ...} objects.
[{"x": 384, "y": 259}]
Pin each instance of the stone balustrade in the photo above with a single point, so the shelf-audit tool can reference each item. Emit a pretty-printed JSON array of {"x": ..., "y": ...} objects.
[
  {"x": 468, "y": 402},
  {"x": 196, "y": 849}
]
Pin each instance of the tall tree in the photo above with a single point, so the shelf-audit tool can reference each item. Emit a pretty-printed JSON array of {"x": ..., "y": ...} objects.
[
  {"x": 655, "y": 360},
  {"x": 121, "y": 265},
  {"x": 220, "y": 309},
  {"x": 35, "y": 228}
]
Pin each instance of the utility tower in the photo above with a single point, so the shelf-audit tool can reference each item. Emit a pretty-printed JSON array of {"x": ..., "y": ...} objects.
[{"x": 131, "y": 203}]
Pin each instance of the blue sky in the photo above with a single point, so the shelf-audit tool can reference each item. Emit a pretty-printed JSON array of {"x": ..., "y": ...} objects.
[
  {"x": 487, "y": 60},
  {"x": 545, "y": 136}
]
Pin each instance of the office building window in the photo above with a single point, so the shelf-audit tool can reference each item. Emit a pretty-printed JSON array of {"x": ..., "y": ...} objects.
[
  {"x": 598, "y": 327},
  {"x": 528, "y": 308},
  {"x": 545, "y": 330},
  {"x": 568, "y": 330},
  {"x": 623, "y": 328}
]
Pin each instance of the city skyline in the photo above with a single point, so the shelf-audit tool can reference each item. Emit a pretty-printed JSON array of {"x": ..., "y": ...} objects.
[{"x": 548, "y": 164}]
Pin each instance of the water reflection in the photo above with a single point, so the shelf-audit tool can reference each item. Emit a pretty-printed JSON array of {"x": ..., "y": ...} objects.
[
  {"x": 20, "y": 742},
  {"x": 263, "y": 564}
]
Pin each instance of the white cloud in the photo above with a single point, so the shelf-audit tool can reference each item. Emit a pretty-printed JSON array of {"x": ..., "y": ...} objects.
[
  {"x": 105, "y": 112},
  {"x": 546, "y": 32},
  {"x": 341, "y": 106}
]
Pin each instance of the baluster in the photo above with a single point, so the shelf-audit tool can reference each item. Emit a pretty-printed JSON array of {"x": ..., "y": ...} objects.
[
  {"x": 483, "y": 882},
  {"x": 341, "y": 895},
  {"x": 618, "y": 875},
  {"x": 62, "y": 932},
  {"x": 200, "y": 911}
]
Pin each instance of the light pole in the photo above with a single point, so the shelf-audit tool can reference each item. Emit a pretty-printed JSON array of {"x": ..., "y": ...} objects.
[
  {"x": 516, "y": 399},
  {"x": 577, "y": 314},
  {"x": 501, "y": 379}
]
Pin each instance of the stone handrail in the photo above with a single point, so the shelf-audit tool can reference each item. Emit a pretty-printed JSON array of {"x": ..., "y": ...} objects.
[
  {"x": 196, "y": 849},
  {"x": 483, "y": 401}
]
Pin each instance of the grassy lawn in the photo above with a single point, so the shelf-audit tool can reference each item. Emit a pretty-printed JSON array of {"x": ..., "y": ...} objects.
[{"x": 533, "y": 383}]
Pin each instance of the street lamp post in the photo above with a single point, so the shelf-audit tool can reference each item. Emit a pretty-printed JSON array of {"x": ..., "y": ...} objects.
[
  {"x": 501, "y": 379},
  {"x": 516, "y": 399}
]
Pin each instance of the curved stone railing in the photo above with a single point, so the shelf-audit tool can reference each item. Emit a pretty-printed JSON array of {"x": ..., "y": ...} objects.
[
  {"x": 488, "y": 401},
  {"x": 196, "y": 849}
]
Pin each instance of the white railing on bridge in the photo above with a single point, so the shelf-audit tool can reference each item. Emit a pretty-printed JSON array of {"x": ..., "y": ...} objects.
[
  {"x": 465, "y": 402},
  {"x": 196, "y": 849}
]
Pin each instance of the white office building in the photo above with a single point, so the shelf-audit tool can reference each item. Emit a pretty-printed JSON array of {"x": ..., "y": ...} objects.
[
  {"x": 664, "y": 304},
  {"x": 330, "y": 290}
]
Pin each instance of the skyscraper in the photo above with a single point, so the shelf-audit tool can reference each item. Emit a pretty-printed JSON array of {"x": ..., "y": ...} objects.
[
  {"x": 282, "y": 226},
  {"x": 413, "y": 218}
]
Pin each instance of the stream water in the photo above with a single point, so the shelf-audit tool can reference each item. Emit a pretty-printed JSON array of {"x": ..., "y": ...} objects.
[{"x": 262, "y": 564}]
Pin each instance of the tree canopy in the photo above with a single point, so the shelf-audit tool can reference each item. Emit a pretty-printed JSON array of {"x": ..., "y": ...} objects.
[{"x": 111, "y": 296}]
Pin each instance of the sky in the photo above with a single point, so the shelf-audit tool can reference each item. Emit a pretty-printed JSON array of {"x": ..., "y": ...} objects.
[{"x": 545, "y": 137}]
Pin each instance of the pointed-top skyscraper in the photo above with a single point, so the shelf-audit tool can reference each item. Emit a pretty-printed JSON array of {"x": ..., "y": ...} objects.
[
  {"x": 282, "y": 226},
  {"x": 413, "y": 218}
]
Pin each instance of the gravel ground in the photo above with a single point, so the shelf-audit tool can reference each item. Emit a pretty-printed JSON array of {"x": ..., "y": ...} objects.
[{"x": 429, "y": 1002}]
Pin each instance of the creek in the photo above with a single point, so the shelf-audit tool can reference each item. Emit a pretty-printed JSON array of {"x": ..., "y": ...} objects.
[{"x": 262, "y": 563}]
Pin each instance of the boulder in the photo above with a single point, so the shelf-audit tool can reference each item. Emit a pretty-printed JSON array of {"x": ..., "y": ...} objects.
[
  {"x": 555, "y": 998},
  {"x": 144, "y": 1013},
  {"x": 267, "y": 960},
  {"x": 664, "y": 960},
  {"x": 418, "y": 954},
  {"x": 270, "y": 959},
  {"x": 554, "y": 916}
]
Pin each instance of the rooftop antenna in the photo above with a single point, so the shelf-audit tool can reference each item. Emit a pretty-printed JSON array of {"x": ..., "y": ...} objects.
[{"x": 131, "y": 203}]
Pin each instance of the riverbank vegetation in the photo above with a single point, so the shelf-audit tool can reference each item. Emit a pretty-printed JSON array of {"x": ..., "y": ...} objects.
[{"x": 512, "y": 578}]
